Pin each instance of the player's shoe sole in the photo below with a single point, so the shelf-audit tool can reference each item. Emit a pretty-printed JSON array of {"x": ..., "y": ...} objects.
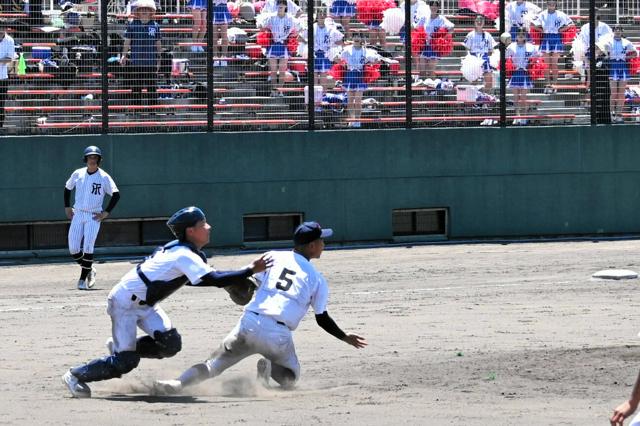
[
  {"x": 264, "y": 371},
  {"x": 166, "y": 387},
  {"x": 75, "y": 386}
]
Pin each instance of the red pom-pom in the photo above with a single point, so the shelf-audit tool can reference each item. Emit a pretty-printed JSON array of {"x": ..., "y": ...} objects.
[
  {"x": 634, "y": 65},
  {"x": 234, "y": 9},
  {"x": 337, "y": 70},
  {"x": 509, "y": 67},
  {"x": 264, "y": 38},
  {"x": 257, "y": 6},
  {"x": 371, "y": 73},
  {"x": 536, "y": 68},
  {"x": 442, "y": 42},
  {"x": 536, "y": 35},
  {"x": 488, "y": 9},
  {"x": 298, "y": 66},
  {"x": 569, "y": 34},
  {"x": 292, "y": 43},
  {"x": 254, "y": 52},
  {"x": 368, "y": 11},
  {"x": 418, "y": 40}
]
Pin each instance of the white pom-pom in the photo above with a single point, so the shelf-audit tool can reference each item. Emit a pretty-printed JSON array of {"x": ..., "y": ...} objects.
[
  {"x": 494, "y": 59},
  {"x": 392, "y": 21},
  {"x": 472, "y": 68},
  {"x": 579, "y": 49}
]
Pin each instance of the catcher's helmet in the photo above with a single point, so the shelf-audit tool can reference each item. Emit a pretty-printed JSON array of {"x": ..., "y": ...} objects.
[
  {"x": 92, "y": 150},
  {"x": 183, "y": 219}
]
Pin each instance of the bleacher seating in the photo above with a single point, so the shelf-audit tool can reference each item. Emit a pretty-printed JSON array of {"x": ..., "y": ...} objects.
[{"x": 39, "y": 103}]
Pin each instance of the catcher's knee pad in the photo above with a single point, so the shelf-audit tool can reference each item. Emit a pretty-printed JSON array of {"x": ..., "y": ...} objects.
[{"x": 169, "y": 342}]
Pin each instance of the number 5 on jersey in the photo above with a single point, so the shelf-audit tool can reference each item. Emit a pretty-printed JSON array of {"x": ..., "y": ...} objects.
[{"x": 284, "y": 282}]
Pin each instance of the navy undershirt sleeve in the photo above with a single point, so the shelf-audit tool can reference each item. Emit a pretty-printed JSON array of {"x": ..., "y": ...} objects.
[
  {"x": 224, "y": 278},
  {"x": 329, "y": 325}
]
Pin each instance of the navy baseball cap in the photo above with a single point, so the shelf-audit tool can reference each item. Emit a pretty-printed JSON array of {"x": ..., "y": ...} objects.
[{"x": 310, "y": 231}]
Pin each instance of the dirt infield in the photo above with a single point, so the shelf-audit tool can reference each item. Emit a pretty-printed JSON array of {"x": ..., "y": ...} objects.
[{"x": 459, "y": 334}]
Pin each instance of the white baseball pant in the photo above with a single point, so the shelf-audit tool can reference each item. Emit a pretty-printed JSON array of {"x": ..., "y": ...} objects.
[
  {"x": 83, "y": 225},
  {"x": 256, "y": 334},
  {"x": 127, "y": 314}
]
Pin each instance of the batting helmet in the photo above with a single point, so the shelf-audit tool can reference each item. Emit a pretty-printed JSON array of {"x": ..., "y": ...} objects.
[
  {"x": 92, "y": 150},
  {"x": 183, "y": 219}
]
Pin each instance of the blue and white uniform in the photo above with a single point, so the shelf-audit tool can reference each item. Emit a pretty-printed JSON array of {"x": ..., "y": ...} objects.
[
  {"x": 197, "y": 4},
  {"x": 89, "y": 196},
  {"x": 516, "y": 14},
  {"x": 602, "y": 30},
  {"x": 324, "y": 39},
  {"x": 355, "y": 60},
  {"x": 419, "y": 9},
  {"x": 221, "y": 14},
  {"x": 431, "y": 25},
  {"x": 480, "y": 45},
  {"x": 281, "y": 29},
  {"x": 551, "y": 24},
  {"x": 343, "y": 8},
  {"x": 520, "y": 56},
  {"x": 618, "y": 50}
]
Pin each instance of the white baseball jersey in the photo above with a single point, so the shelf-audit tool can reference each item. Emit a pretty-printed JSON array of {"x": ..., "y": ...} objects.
[
  {"x": 516, "y": 12},
  {"x": 419, "y": 9},
  {"x": 165, "y": 265},
  {"x": 617, "y": 49},
  {"x": 90, "y": 189},
  {"x": 434, "y": 24},
  {"x": 602, "y": 30},
  {"x": 7, "y": 50},
  {"x": 281, "y": 28},
  {"x": 271, "y": 6},
  {"x": 324, "y": 38},
  {"x": 288, "y": 289},
  {"x": 356, "y": 58},
  {"x": 552, "y": 22},
  {"x": 520, "y": 54},
  {"x": 479, "y": 43}
]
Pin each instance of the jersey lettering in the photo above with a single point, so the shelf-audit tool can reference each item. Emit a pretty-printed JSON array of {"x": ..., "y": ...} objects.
[
  {"x": 284, "y": 282},
  {"x": 95, "y": 188}
]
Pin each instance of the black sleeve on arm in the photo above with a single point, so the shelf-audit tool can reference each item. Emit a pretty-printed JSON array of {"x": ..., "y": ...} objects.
[
  {"x": 329, "y": 325},
  {"x": 67, "y": 198},
  {"x": 225, "y": 278},
  {"x": 113, "y": 201}
]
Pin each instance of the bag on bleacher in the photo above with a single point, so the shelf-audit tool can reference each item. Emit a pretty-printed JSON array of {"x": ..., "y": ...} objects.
[
  {"x": 86, "y": 58},
  {"x": 237, "y": 35},
  {"x": 166, "y": 63}
]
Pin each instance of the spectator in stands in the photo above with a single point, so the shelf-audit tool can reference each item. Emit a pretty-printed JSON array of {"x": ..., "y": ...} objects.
[
  {"x": 619, "y": 50},
  {"x": 429, "y": 58},
  {"x": 143, "y": 38},
  {"x": 520, "y": 13},
  {"x": 281, "y": 25},
  {"x": 7, "y": 54},
  {"x": 355, "y": 57},
  {"x": 602, "y": 30},
  {"x": 552, "y": 22},
  {"x": 326, "y": 39},
  {"x": 199, "y": 22},
  {"x": 520, "y": 52},
  {"x": 221, "y": 19},
  {"x": 480, "y": 43},
  {"x": 342, "y": 11},
  {"x": 271, "y": 6}
]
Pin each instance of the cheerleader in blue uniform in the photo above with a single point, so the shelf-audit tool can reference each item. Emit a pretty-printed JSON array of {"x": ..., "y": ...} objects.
[
  {"x": 520, "y": 52},
  {"x": 356, "y": 56},
  {"x": 325, "y": 38},
  {"x": 281, "y": 26},
  {"x": 199, "y": 17},
  {"x": 428, "y": 58},
  {"x": 480, "y": 43},
  {"x": 517, "y": 11},
  {"x": 552, "y": 22},
  {"x": 618, "y": 50},
  {"x": 221, "y": 19},
  {"x": 342, "y": 11}
]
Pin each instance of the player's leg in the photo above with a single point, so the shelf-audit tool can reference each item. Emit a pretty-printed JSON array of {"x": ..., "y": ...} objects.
[
  {"x": 554, "y": 66},
  {"x": 224, "y": 41},
  {"x": 280, "y": 361},
  {"x": 357, "y": 104},
  {"x": 91, "y": 229},
  {"x": 216, "y": 37},
  {"x": 273, "y": 72},
  {"x": 613, "y": 85},
  {"x": 74, "y": 238},
  {"x": 124, "y": 357},
  {"x": 162, "y": 340},
  {"x": 238, "y": 345}
]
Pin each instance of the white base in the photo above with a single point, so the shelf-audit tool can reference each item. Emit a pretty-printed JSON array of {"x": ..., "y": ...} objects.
[{"x": 615, "y": 274}]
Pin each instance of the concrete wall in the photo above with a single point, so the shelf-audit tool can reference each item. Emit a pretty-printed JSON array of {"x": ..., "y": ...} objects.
[{"x": 495, "y": 182}]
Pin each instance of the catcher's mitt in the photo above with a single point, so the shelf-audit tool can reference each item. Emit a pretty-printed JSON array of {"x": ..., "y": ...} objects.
[{"x": 242, "y": 292}]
